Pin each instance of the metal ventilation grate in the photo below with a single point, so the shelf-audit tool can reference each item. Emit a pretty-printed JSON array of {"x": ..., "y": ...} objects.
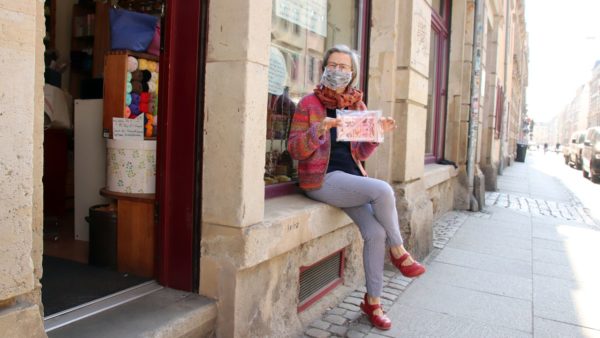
[{"x": 318, "y": 279}]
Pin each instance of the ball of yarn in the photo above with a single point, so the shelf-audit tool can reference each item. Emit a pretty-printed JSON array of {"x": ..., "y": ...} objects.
[
  {"x": 144, "y": 97},
  {"x": 135, "y": 98},
  {"x": 135, "y": 110},
  {"x": 152, "y": 87},
  {"x": 127, "y": 112},
  {"x": 152, "y": 66},
  {"x": 128, "y": 87},
  {"x": 143, "y": 64},
  {"x": 144, "y": 107},
  {"x": 145, "y": 87},
  {"x": 136, "y": 87},
  {"x": 128, "y": 76},
  {"x": 137, "y": 76},
  {"x": 132, "y": 64},
  {"x": 128, "y": 99},
  {"x": 154, "y": 77},
  {"x": 146, "y": 75}
]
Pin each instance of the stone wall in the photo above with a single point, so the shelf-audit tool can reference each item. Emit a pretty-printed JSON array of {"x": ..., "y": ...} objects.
[{"x": 21, "y": 118}]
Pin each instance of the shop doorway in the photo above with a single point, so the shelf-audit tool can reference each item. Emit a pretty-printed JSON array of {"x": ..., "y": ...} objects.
[{"x": 90, "y": 249}]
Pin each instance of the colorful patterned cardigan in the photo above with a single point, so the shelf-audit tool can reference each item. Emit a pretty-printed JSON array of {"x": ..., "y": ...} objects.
[{"x": 312, "y": 151}]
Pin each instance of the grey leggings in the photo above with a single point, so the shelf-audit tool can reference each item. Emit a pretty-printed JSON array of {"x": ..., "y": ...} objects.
[{"x": 371, "y": 204}]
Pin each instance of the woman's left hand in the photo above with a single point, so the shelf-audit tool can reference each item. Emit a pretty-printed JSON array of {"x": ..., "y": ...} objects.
[{"x": 387, "y": 124}]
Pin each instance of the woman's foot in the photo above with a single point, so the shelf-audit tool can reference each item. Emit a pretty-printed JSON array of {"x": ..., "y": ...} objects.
[
  {"x": 405, "y": 263},
  {"x": 371, "y": 307}
]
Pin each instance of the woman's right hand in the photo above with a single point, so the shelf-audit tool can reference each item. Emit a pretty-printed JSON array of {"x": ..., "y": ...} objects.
[{"x": 328, "y": 123}]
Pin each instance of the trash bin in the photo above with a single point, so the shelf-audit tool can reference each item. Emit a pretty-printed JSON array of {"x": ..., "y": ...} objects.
[
  {"x": 521, "y": 152},
  {"x": 103, "y": 235}
]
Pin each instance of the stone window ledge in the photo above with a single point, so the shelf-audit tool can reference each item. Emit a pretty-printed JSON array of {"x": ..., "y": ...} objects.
[
  {"x": 435, "y": 174},
  {"x": 289, "y": 222}
]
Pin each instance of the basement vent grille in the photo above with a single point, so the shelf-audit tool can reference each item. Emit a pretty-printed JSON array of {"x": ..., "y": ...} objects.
[{"x": 320, "y": 278}]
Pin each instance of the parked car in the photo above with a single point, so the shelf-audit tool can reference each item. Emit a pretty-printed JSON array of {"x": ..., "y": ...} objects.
[
  {"x": 573, "y": 156},
  {"x": 591, "y": 154}
]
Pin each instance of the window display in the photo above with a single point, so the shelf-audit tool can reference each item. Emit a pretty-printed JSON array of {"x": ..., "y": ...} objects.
[{"x": 301, "y": 32}]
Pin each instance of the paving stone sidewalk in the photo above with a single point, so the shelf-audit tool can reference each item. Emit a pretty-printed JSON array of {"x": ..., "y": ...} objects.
[{"x": 347, "y": 320}]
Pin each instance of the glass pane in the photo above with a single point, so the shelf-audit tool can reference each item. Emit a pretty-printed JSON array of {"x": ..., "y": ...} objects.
[
  {"x": 301, "y": 31},
  {"x": 438, "y": 6},
  {"x": 432, "y": 95}
]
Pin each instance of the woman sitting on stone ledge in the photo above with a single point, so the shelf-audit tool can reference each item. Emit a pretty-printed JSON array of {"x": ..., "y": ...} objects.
[{"x": 330, "y": 171}]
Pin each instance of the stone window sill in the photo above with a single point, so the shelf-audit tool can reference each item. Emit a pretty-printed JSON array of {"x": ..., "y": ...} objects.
[{"x": 435, "y": 174}]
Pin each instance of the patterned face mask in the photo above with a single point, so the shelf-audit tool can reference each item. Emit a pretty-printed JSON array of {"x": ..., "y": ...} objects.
[{"x": 335, "y": 79}]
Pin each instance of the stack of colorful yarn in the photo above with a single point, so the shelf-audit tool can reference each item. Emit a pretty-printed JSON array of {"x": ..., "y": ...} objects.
[{"x": 142, "y": 92}]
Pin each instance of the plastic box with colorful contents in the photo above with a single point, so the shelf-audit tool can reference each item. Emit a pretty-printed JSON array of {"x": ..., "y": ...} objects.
[{"x": 130, "y": 89}]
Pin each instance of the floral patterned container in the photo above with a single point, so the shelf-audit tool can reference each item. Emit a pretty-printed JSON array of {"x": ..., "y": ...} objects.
[{"x": 131, "y": 166}]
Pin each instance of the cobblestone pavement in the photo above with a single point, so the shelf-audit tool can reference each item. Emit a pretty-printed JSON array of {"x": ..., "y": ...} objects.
[
  {"x": 346, "y": 319},
  {"x": 572, "y": 211}
]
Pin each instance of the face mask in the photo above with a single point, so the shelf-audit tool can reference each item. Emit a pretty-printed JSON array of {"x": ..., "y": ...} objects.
[{"x": 335, "y": 79}]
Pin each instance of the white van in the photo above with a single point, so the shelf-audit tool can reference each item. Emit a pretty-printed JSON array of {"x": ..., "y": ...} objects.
[
  {"x": 573, "y": 156},
  {"x": 590, "y": 155}
]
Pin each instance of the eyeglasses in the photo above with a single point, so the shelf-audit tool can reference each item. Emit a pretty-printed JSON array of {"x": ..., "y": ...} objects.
[{"x": 341, "y": 66}]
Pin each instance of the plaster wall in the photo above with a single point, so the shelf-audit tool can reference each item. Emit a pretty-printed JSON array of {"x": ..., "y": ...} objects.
[{"x": 21, "y": 105}]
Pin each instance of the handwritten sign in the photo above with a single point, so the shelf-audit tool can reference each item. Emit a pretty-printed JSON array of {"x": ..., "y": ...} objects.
[{"x": 128, "y": 129}]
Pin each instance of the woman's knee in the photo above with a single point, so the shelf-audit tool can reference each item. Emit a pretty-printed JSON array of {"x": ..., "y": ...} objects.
[{"x": 384, "y": 190}]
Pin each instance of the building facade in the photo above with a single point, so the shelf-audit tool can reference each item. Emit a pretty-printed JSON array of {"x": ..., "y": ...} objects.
[{"x": 256, "y": 242}]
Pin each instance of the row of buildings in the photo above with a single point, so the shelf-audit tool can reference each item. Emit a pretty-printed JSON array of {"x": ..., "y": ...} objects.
[
  {"x": 452, "y": 73},
  {"x": 581, "y": 113}
]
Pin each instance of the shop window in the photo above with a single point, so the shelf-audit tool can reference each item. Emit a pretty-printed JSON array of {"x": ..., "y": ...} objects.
[
  {"x": 295, "y": 68},
  {"x": 438, "y": 71}
]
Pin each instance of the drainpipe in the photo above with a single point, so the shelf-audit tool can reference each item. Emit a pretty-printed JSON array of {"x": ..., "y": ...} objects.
[
  {"x": 474, "y": 107},
  {"x": 504, "y": 127}
]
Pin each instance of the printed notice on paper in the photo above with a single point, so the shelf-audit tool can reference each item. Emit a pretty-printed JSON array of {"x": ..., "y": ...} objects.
[
  {"x": 359, "y": 126},
  {"x": 309, "y": 14},
  {"x": 128, "y": 129}
]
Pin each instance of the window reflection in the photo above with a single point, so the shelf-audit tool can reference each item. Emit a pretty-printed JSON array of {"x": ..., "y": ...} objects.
[{"x": 301, "y": 31}]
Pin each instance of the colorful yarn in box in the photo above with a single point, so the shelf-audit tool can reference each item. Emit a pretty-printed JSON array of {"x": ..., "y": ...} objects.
[
  {"x": 127, "y": 112},
  {"x": 136, "y": 87},
  {"x": 128, "y": 88},
  {"x": 128, "y": 99},
  {"x": 128, "y": 76},
  {"x": 132, "y": 64},
  {"x": 143, "y": 64}
]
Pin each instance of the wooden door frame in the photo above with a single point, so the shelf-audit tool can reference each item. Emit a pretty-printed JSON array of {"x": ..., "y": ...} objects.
[{"x": 179, "y": 147}]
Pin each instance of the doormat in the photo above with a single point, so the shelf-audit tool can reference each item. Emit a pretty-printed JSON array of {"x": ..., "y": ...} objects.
[{"x": 66, "y": 284}]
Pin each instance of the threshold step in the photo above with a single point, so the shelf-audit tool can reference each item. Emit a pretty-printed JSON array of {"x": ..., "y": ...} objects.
[{"x": 164, "y": 313}]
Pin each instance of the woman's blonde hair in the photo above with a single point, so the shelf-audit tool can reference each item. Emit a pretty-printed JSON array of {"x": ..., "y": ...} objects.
[{"x": 345, "y": 50}]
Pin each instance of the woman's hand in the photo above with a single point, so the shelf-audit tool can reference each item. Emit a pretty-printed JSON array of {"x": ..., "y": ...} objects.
[
  {"x": 328, "y": 123},
  {"x": 387, "y": 124}
]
